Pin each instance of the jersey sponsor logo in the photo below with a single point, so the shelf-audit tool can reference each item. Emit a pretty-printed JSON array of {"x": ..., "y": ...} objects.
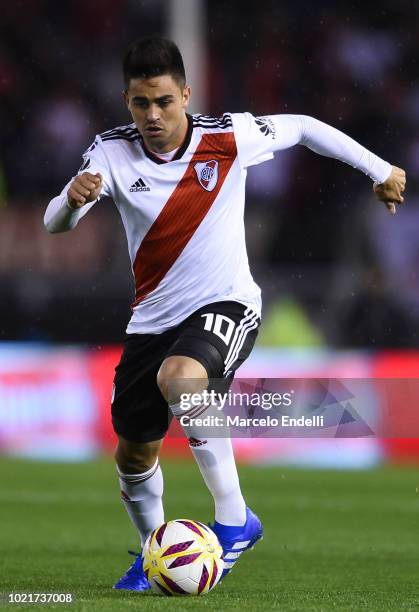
[
  {"x": 207, "y": 174},
  {"x": 266, "y": 126},
  {"x": 139, "y": 185}
]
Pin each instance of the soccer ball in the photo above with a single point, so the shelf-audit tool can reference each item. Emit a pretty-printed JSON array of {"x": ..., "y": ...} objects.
[{"x": 183, "y": 557}]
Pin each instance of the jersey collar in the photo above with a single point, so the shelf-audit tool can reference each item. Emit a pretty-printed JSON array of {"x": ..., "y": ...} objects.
[{"x": 179, "y": 152}]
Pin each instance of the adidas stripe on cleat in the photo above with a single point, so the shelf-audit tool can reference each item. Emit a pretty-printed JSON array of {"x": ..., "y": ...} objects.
[{"x": 236, "y": 540}]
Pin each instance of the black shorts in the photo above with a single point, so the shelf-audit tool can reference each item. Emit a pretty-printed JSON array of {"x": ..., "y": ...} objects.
[{"x": 220, "y": 336}]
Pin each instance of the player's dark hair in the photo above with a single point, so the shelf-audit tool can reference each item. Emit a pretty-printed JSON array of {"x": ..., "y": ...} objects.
[{"x": 151, "y": 57}]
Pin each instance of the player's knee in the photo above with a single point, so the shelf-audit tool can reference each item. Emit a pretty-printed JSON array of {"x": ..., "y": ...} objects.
[
  {"x": 136, "y": 457},
  {"x": 179, "y": 375}
]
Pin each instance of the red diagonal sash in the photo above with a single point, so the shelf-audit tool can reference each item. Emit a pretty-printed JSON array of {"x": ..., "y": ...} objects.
[{"x": 181, "y": 215}]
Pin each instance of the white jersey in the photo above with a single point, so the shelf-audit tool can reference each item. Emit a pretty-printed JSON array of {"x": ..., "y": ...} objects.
[{"x": 184, "y": 218}]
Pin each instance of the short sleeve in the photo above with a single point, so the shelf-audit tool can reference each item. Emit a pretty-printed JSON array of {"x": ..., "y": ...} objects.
[{"x": 255, "y": 138}]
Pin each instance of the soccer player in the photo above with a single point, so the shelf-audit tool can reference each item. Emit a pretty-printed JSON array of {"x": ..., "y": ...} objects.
[{"x": 178, "y": 182}]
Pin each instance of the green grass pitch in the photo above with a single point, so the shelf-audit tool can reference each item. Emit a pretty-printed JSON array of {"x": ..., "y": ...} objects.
[{"x": 333, "y": 540}]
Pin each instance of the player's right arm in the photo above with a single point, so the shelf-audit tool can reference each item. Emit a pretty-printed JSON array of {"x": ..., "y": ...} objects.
[
  {"x": 81, "y": 193},
  {"x": 85, "y": 188}
]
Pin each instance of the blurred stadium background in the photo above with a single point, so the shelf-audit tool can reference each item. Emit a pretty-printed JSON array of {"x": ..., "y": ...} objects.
[{"x": 338, "y": 274}]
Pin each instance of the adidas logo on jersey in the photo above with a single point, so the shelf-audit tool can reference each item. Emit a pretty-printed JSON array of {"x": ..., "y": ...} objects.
[{"x": 139, "y": 185}]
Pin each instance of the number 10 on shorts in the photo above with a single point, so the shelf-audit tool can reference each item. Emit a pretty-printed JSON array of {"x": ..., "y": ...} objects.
[{"x": 220, "y": 325}]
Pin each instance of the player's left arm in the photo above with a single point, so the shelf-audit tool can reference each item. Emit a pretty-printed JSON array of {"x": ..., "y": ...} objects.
[{"x": 289, "y": 130}]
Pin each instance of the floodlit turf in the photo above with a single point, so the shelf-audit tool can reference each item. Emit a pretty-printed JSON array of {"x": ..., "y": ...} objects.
[{"x": 333, "y": 540}]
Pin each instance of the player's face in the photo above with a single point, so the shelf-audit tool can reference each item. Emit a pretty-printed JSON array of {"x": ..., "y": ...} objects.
[{"x": 158, "y": 106}]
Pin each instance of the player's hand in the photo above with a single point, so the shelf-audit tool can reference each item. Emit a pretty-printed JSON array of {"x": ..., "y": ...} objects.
[
  {"x": 85, "y": 188},
  {"x": 390, "y": 192}
]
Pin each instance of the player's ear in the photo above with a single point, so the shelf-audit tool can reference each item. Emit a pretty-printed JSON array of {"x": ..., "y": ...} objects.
[
  {"x": 186, "y": 96},
  {"x": 126, "y": 97}
]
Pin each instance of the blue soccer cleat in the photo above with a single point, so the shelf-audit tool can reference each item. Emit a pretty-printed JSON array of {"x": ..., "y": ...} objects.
[
  {"x": 134, "y": 579},
  {"x": 236, "y": 540}
]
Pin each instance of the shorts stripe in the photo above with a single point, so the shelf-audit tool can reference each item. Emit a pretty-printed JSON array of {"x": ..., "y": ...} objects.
[
  {"x": 242, "y": 341},
  {"x": 247, "y": 314},
  {"x": 248, "y": 322}
]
